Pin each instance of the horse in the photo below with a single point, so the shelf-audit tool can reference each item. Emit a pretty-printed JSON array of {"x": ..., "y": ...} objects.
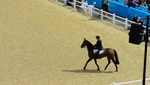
[{"x": 111, "y": 54}]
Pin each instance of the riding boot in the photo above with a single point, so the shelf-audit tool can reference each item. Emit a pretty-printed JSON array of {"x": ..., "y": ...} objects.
[{"x": 97, "y": 53}]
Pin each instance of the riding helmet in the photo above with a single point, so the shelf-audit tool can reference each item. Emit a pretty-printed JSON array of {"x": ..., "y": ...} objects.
[{"x": 97, "y": 36}]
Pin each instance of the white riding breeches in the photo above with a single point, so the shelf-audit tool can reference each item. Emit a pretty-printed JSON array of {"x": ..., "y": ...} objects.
[{"x": 95, "y": 50}]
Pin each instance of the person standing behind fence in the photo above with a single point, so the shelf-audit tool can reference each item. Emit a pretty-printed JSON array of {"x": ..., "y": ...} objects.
[
  {"x": 135, "y": 18},
  {"x": 105, "y": 7},
  {"x": 139, "y": 21}
]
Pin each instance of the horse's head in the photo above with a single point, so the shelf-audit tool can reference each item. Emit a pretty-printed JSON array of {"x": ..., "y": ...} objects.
[{"x": 85, "y": 42}]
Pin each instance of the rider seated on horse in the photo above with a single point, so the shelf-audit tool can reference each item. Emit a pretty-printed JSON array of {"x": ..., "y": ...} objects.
[{"x": 98, "y": 46}]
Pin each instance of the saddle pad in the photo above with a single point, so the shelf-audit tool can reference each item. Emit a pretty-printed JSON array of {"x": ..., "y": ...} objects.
[{"x": 100, "y": 52}]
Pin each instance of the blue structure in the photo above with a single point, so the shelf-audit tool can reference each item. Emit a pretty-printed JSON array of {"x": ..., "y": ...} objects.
[
  {"x": 127, "y": 12},
  {"x": 122, "y": 10}
]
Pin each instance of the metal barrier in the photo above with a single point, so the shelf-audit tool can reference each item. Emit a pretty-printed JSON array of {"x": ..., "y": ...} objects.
[{"x": 130, "y": 82}]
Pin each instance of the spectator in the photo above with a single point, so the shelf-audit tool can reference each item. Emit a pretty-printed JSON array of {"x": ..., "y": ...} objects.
[
  {"x": 139, "y": 21},
  {"x": 138, "y": 2},
  {"x": 125, "y": 2},
  {"x": 105, "y": 7},
  {"x": 132, "y": 3},
  {"x": 145, "y": 4},
  {"x": 135, "y": 18},
  {"x": 148, "y": 8},
  {"x": 148, "y": 1}
]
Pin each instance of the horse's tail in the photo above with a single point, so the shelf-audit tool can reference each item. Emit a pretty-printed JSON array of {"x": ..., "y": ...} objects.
[{"x": 116, "y": 57}]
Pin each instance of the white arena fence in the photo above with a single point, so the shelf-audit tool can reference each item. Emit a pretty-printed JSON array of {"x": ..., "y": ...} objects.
[
  {"x": 130, "y": 82},
  {"x": 90, "y": 9}
]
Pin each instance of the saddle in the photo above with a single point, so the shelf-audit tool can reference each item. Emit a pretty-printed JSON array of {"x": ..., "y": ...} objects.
[{"x": 98, "y": 51}]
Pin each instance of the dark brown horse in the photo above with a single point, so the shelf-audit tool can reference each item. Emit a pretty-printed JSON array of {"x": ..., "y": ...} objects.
[{"x": 111, "y": 54}]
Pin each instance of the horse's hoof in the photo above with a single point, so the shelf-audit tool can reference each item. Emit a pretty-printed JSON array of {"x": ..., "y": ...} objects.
[
  {"x": 98, "y": 69},
  {"x": 84, "y": 68},
  {"x": 116, "y": 70}
]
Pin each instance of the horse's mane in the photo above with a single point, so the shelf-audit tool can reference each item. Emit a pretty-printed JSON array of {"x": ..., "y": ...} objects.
[{"x": 90, "y": 44}]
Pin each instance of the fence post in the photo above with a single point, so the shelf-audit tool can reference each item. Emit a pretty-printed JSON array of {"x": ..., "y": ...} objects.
[
  {"x": 126, "y": 23},
  {"x": 91, "y": 9},
  {"x": 65, "y": 2},
  {"x": 74, "y": 4},
  {"x": 102, "y": 14},
  {"x": 84, "y": 6},
  {"x": 113, "y": 18},
  {"x": 88, "y": 9}
]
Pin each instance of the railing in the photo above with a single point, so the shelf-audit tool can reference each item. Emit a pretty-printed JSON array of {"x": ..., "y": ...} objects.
[
  {"x": 130, "y": 82},
  {"x": 90, "y": 9}
]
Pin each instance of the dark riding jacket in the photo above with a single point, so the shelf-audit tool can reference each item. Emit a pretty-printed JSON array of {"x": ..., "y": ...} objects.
[{"x": 98, "y": 45}]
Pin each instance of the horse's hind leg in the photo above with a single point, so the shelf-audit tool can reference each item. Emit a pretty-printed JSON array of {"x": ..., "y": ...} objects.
[
  {"x": 115, "y": 64},
  {"x": 108, "y": 63},
  {"x": 87, "y": 63},
  {"x": 96, "y": 64}
]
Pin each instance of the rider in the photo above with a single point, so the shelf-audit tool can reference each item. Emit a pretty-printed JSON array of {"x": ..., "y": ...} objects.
[{"x": 98, "y": 46}]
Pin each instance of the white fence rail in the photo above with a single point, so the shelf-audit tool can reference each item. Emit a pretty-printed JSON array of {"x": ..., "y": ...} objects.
[
  {"x": 90, "y": 9},
  {"x": 130, "y": 82}
]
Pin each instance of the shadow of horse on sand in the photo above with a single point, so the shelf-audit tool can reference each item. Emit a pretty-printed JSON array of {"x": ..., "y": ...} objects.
[{"x": 87, "y": 71}]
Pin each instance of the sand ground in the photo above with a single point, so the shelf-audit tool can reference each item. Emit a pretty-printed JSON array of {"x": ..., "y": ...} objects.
[{"x": 40, "y": 45}]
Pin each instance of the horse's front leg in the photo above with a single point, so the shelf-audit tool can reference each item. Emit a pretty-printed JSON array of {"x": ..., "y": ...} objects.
[
  {"x": 96, "y": 64},
  {"x": 108, "y": 63},
  {"x": 87, "y": 63}
]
